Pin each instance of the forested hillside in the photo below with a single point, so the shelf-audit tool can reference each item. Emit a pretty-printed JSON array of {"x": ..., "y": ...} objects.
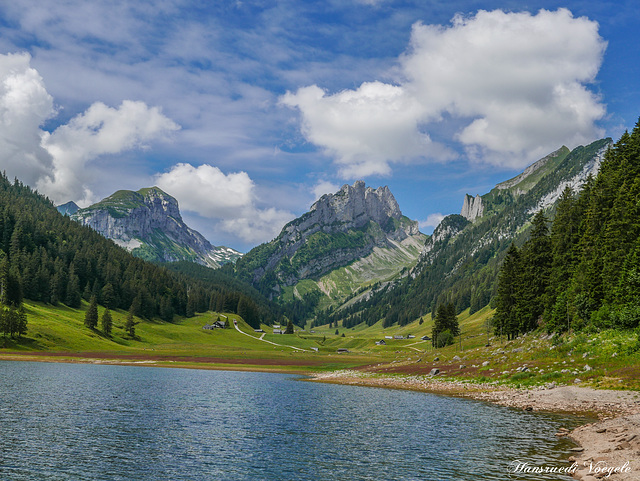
[
  {"x": 461, "y": 260},
  {"x": 47, "y": 257},
  {"x": 583, "y": 272}
]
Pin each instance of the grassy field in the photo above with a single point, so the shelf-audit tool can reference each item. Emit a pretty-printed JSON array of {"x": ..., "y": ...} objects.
[{"x": 608, "y": 359}]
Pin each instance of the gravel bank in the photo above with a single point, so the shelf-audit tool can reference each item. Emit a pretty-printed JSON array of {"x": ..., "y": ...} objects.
[{"x": 611, "y": 444}]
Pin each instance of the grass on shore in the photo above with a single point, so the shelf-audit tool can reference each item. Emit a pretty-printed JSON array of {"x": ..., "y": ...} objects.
[{"x": 607, "y": 359}]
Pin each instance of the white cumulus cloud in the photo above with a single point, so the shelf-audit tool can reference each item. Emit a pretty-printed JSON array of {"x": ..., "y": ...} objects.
[
  {"x": 24, "y": 106},
  {"x": 98, "y": 131},
  {"x": 227, "y": 199},
  {"x": 56, "y": 163},
  {"x": 521, "y": 78},
  {"x": 324, "y": 187},
  {"x": 431, "y": 221},
  {"x": 512, "y": 86},
  {"x": 362, "y": 129}
]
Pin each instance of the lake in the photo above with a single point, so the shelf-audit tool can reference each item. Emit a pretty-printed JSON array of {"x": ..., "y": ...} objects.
[{"x": 104, "y": 422}]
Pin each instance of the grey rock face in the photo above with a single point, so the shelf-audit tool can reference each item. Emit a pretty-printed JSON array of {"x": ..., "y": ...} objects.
[
  {"x": 352, "y": 208},
  {"x": 150, "y": 219},
  {"x": 472, "y": 207}
]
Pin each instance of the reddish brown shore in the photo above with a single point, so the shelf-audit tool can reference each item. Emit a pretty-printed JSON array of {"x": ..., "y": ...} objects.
[
  {"x": 609, "y": 448},
  {"x": 164, "y": 360}
]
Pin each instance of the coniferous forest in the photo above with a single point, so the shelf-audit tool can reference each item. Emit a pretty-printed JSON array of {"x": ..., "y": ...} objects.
[
  {"x": 582, "y": 272},
  {"x": 47, "y": 257}
]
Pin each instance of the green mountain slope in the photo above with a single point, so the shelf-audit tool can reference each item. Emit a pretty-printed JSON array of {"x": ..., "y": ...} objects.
[
  {"x": 347, "y": 241},
  {"x": 460, "y": 260},
  {"x": 47, "y": 257},
  {"x": 148, "y": 223}
]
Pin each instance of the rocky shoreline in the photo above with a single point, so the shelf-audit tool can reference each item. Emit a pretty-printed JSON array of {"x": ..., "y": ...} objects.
[{"x": 609, "y": 448}]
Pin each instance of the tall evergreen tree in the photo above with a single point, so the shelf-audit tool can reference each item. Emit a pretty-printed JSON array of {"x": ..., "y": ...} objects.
[
  {"x": 73, "y": 299},
  {"x": 445, "y": 325},
  {"x": 91, "y": 316},
  {"x": 106, "y": 322},
  {"x": 535, "y": 266},
  {"x": 129, "y": 325},
  {"x": 289, "y": 329},
  {"x": 507, "y": 300}
]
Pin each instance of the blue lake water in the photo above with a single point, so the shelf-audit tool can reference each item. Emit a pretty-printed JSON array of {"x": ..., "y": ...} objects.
[{"x": 100, "y": 422}]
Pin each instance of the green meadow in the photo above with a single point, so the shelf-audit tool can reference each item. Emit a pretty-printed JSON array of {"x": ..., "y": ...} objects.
[{"x": 602, "y": 359}]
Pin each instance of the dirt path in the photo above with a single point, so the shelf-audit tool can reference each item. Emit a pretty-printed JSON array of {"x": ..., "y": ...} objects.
[{"x": 264, "y": 340}]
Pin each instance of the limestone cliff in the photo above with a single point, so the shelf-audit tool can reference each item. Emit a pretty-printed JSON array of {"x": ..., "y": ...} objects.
[
  {"x": 472, "y": 207},
  {"x": 148, "y": 223},
  {"x": 338, "y": 229}
]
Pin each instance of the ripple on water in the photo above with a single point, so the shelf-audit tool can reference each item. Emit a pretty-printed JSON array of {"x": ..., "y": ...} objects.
[{"x": 75, "y": 421}]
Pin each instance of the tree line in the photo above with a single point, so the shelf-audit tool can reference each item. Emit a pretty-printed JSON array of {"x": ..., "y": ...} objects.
[{"x": 584, "y": 271}]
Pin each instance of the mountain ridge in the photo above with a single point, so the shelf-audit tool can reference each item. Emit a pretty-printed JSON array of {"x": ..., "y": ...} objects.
[
  {"x": 148, "y": 223},
  {"x": 339, "y": 229},
  {"x": 460, "y": 260}
]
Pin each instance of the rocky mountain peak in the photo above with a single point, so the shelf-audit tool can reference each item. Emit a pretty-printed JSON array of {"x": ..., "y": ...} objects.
[
  {"x": 148, "y": 223},
  {"x": 356, "y": 205},
  {"x": 339, "y": 229},
  {"x": 472, "y": 207},
  {"x": 69, "y": 208}
]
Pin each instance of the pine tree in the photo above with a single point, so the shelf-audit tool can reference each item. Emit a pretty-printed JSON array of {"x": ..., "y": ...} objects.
[
  {"x": 289, "y": 329},
  {"x": 73, "y": 299},
  {"x": 507, "y": 299},
  {"x": 536, "y": 269},
  {"x": 108, "y": 295},
  {"x": 91, "y": 316},
  {"x": 445, "y": 325},
  {"x": 191, "y": 307},
  {"x": 166, "y": 309},
  {"x": 21, "y": 318},
  {"x": 129, "y": 325},
  {"x": 106, "y": 322}
]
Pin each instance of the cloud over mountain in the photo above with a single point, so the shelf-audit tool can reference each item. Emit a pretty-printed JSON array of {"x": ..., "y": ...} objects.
[
  {"x": 512, "y": 86},
  {"x": 57, "y": 162},
  {"x": 227, "y": 199}
]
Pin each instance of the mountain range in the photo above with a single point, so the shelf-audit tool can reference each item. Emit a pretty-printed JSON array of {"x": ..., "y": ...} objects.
[
  {"x": 459, "y": 262},
  {"x": 354, "y": 250}
]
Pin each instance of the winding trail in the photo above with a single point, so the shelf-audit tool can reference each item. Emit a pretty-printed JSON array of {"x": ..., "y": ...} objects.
[
  {"x": 415, "y": 348},
  {"x": 235, "y": 324}
]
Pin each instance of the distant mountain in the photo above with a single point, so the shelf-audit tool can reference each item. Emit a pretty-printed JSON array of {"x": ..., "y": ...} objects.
[
  {"x": 347, "y": 240},
  {"x": 460, "y": 260},
  {"x": 148, "y": 223},
  {"x": 69, "y": 208}
]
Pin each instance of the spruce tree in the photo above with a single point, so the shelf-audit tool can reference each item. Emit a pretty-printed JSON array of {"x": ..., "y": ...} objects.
[
  {"x": 507, "y": 299},
  {"x": 445, "y": 325},
  {"x": 21, "y": 318},
  {"x": 91, "y": 316},
  {"x": 73, "y": 299},
  {"x": 289, "y": 329},
  {"x": 536, "y": 269},
  {"x": 129, "y": 324},
  {"x": 106, "y": 322},
  {"x": 108, "y": 295}
]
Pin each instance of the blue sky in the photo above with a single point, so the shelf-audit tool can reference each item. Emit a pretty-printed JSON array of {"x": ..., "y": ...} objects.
[{"x": 248, "y": 111}]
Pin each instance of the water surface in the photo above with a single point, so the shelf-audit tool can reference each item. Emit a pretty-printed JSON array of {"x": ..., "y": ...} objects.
[{"x": 100, "y": 422}]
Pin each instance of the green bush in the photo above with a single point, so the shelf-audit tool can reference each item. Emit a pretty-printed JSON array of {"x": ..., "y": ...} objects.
[{"x": 445, "y": 338}]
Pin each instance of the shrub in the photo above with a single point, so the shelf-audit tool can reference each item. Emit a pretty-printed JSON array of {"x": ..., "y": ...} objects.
[{"x": 445, "y": 338}]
